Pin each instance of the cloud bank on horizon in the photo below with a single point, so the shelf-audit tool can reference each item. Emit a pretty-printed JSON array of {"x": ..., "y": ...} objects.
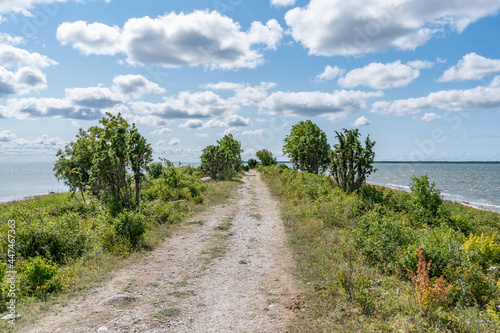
[{"x": 187, "y": 74}]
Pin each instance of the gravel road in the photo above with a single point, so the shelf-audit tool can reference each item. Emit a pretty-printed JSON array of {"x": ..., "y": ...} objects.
[{"x": 229, "y": 273}]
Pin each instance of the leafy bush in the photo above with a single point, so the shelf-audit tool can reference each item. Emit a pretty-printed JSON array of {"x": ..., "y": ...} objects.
[
  {"x": 130, "y": 225},
  {"x": 472, "y": 286},
  {"x": 307, "y": 147},
  {"x": 383, "y": 238},
  {"x": 252, "y": 163},
  {"x": 56, "y": 238},
  {"x": 223, "y": 160},
  {"x": 425, "y": 200},
  {"x": 155, "y": 170},
  {"x": 39, "y": 277},
  {"x": 266, "y": 157},
  {"x": 441, "y": 245}
]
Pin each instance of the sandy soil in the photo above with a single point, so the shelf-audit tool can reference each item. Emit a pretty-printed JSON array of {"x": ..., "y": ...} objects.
[{"x": 202, "y": 279}]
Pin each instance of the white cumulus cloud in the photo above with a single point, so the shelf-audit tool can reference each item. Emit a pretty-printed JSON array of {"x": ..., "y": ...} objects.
[
  {"x": 310, "y": 104},
  {"x": 330, "y": 73},
  {"x": 22, "y": 81},
  {"x": 11, "y": 56},
  {"x": 192, "y": 123},
  {"x": 480, "y": 97},
  {"x": 176, "y": 40},
  {"x": 93, "y": 38},
  {"x": 174, "y": 142},
  {"x": 428, "y": 117},
  {"x": 334, "y": 27},
  {"x": 420, "y": 64},
  {"x": 160, "y": 131},
  {"x": 257, "y": 132},
  {"x": 380, "y": 76},
  {"x": 136, "y": 86},
  {"x": 6, "y": 136},
  {"x": 471, "y": 67},
  {"x": 361, "y": 121}
]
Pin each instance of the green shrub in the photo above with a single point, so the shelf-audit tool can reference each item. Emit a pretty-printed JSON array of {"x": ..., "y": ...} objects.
[
  {"x": 130, "y": 225},
  {"x": 425, "y": 200},
  {"x": 441, "y": 245},
  {"x": 39, "y": 277},
  {"x": 155, "y": 170},
  {"x": 383, "y": 238},
  {"x": 252, "y": 163},
  {"x": 56, "y": 238},
  {"x": 472, "y": 285},
  {"x": 4, "y": 287}
]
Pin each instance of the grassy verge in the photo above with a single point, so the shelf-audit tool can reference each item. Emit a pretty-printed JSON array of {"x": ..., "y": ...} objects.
[
  {"x": 383, "y": 261},
  {"x": 65, "y": 247}
]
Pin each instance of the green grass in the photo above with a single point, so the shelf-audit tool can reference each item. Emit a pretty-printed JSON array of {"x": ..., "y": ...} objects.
[{"x": 352, "y": 251}]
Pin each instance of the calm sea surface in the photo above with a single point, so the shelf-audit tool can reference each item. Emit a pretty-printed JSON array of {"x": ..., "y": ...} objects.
[
  {"x": 476, "y": 183},
  {"x": 21, "y": 179}
]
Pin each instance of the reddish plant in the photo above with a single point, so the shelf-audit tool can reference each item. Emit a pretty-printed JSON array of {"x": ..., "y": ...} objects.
[{"x": 429, "y": 293}]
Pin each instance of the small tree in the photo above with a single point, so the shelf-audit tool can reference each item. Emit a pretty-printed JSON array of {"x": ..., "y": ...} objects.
[
  {"x": 222, "y": 161},
  {"x": 266, "y": 157},
  {"x": 252, "y": 163},
  {"x": 350, "y": 162},
  {"x": 307, "y": 147},
  {"x": 75, "y": 162},
  {"x": 102, "y": 158}
]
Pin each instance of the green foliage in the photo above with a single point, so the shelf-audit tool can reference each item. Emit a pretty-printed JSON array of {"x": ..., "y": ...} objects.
[
  {"x": 351, "y": 163},
  {"x": 441, "y": 245},
  {"x": 176, "y": 184},
  {"x": 39, "y": 277},
  {"x": 387, "y": 228},
  {"x": 473, "y": 286},
  {"x": 102, "y": 157},
  {"x": 425, "y": 200},
  {"x": 155, "y": 170},
  {"x": 57, "y": 238},
  {"x": 75, "y": 161},
  {"x": 222, "y": 161},
  {"x": 307, "y": 147},
  {"x": 130, "y": 225},
  {"x": 484, "y": 250},
  {"x": 265, "y": 157},
  {"x": 252, "y": 163},
  {"x": 382, "y": 238}
]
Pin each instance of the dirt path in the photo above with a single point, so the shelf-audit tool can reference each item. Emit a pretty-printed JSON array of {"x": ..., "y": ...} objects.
[{"x": 230, "y": 274}]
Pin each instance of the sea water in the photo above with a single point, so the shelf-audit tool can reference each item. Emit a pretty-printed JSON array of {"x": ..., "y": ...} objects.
[
  {"x": 477, "y": 184},
  {"x": 19, "y": 179}
]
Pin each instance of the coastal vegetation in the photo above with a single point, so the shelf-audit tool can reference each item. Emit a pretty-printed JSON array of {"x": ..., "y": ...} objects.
[
  {"x": 222, "y": 160},
  {"x": 372, "y": 259},
  {"x": 68, "y": 242},
  {"x": 378, "y": 259},
  {"x": 307, "y": 147}
]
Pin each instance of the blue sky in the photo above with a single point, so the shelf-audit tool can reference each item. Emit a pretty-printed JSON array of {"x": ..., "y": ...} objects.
[{"x": 422, "y": 78}]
